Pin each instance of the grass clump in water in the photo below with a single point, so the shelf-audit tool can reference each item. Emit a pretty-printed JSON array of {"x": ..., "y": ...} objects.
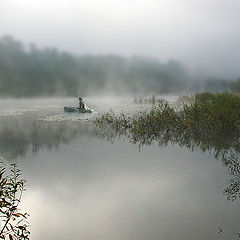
[
  {"x": 211, "y": 116},
  {"x": 217, "y": 116},
  {"x": 212, "y": 123},
  {"x": 204, "y": 97}
]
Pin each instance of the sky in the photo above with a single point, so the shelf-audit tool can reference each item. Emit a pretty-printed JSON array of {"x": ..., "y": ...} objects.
[{"x": 204, "y": 35}]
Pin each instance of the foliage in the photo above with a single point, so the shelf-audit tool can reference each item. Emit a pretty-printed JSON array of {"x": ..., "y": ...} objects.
[
  {"x": 27, "y": 71},
  {"x": 214, "y": 85},
  {"x": 210, "y": 124},
  {"x": 204, "y": 97},
  {"x": 235, "y": 86},
  {"x": 218, "y": 116},
  {"x": 13, "y": 222},
  {"x": 30, "y": 71}
]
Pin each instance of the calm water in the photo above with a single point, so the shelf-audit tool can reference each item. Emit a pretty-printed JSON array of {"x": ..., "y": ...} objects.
[{"x": 82, "y": 186}]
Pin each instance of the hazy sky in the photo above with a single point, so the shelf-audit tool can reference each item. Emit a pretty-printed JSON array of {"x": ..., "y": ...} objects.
[{"x": 203, "y": 34}]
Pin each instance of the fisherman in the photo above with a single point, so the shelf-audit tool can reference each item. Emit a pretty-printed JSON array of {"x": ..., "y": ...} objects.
[{"x": 81, "y": 104}]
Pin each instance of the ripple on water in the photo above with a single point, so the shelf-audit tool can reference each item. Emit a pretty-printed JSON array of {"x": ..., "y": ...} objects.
[{"x": 69, "y": 117}]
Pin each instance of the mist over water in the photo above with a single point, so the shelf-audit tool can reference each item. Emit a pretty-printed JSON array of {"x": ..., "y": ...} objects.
[
  {"x": 41, "y": 72},
  {"x": 121, "y": 57},
  {"x": 203, "y": 35},
  {"x": 83, "y": 183}
]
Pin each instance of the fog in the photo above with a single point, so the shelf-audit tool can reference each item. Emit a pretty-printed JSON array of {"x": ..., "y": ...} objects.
[
  {"x": 202, "y": 35},
  {"x": 121, "y": 56},
  {"x": 30, "y": 71}
]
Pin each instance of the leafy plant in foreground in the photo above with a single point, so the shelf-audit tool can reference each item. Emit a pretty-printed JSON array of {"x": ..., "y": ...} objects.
[{"x": 13, "y": 224}]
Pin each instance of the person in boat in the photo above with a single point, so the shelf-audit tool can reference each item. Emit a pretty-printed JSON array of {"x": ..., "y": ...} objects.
[{"x": 81, "y": 104}]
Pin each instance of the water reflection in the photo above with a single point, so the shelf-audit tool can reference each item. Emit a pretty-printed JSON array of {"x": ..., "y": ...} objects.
[
  {"x": 226, "y": 149},
  {"x": 20, "y": 134},
  {"x": 233, "y": 190},
  {"x": 114, "y": 192}
]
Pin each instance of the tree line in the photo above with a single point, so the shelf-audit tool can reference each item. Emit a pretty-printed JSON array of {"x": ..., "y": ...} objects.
[{"x": 29, "y": 71}]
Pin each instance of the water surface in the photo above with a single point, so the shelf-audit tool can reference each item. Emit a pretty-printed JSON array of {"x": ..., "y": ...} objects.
[{"x": 82, "y": 186}]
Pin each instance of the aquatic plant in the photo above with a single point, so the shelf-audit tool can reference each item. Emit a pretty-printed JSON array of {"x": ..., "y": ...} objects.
[
  {"x": 13, "y": 223},
  {"x": 203, "y": 97},
  {"x": 210, "y": 124},
  {"x": 217, "y": 117}
]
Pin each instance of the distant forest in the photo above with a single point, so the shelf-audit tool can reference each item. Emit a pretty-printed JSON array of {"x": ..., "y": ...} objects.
[{"x": 28, "y": 71}]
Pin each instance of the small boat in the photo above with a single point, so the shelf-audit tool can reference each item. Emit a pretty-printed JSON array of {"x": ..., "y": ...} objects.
[{"x": 77, "y": 110}]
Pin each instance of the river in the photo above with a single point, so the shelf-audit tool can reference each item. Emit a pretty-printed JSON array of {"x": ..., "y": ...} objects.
[{"x": 83, "y": 185}]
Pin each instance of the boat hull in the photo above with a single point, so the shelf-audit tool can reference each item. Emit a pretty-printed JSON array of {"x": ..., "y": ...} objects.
[{"x": 77, "y": 110}]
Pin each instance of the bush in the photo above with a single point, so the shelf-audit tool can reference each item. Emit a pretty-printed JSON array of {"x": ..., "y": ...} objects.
[
  {"x": 212, "y": 116},
  {"x": 203, "y": 97},
  {"x": 13, "y": 222},
  {"x": 209, "y": 125},
  {"x": 219, "y": 116}
]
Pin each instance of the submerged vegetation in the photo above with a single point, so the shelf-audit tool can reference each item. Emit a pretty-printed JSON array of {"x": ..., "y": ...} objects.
[{"x": 13, "y": 223}]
